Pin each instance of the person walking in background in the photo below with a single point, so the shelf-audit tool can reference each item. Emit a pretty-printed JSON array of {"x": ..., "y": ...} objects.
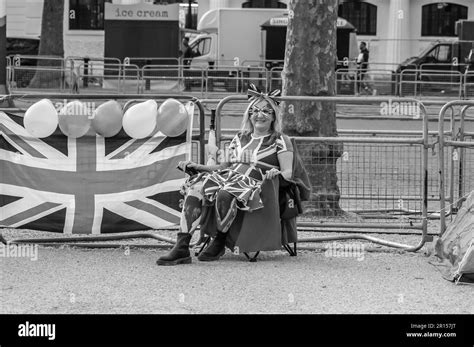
[
  {"x": 186, "y": 55},
  {"x": 187, "y": 52},
  {"x": 362, "y": 67}
]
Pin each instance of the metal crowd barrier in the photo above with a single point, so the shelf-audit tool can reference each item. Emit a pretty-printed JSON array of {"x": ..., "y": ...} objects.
[
  {"x": 142, "y": 61},
  {"x": 460, "y": 148},
  {"x": 102, "y": 78},
  {"x": 468, "y": 84},
  {"x": 384, "y": 179},
  {"x": 8, "y": 68},
  {"x": 235, "y": 76},
  {"x": 131, "y": 79},
  {"x": 275, "y": 80},
  {"x": 418, "y": 82},
  {"x": 48, "y": 78}
]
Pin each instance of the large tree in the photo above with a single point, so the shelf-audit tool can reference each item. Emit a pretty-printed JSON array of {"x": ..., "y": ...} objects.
[
  {"x": 51, "y": 44},
  {"x": 309, "y": 70},
  {"x": 3, "y": 39}
]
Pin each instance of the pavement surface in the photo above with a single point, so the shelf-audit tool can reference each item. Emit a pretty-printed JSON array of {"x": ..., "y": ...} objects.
[{"x": 73, "y": 280}]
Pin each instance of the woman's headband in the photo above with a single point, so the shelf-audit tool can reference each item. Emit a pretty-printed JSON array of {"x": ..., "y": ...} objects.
[{"x": 253, "y": 94}]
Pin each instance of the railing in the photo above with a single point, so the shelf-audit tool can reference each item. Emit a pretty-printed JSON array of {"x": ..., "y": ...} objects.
[
  {"x": 383, "y": 180},
  {"x": 460, "y": 151},
  {"x": 469, "y": 84},
  {"x": 419, "y": 82},
  {"x": 167, "y": 75}
]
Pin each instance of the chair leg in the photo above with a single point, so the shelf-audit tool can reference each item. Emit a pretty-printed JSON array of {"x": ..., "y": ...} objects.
[
  {"x": 203, "y": 246},
  {"x": 254, "y": 258},
  {"x": 291, "y": 252},
  {"x": 294, "y": 249}
]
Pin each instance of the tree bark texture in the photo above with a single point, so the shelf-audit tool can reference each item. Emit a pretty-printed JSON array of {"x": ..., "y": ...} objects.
[
  {"x": 51, "y": 44},
  {"x": 309, "y": 70}
]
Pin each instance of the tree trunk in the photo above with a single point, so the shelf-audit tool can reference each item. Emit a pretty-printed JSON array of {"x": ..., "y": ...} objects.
[
  {"x": 51, "y": 44},
  {"x": 309, "y": 70},
  {"x": 3, "y": 50}
]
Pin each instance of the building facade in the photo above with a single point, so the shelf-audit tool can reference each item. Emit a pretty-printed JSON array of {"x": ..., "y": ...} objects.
[{"x": 393, "y": 29}]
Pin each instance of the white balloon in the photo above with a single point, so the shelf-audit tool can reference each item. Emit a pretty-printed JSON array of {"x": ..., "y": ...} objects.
[
  {"x": 41, "y": 119},
  {"x": 139, "y": 121},
  {"x": 173, "y": 118},
  {"x": 107, "y": 120},
  {"x": 75, "y": 119}
]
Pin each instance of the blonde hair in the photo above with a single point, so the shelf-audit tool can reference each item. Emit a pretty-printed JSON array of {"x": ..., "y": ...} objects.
[{"x": 275, "y": 127}]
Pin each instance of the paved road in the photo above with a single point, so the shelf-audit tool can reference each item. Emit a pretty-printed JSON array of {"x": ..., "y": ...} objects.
[{"x": 111, "y": 281}]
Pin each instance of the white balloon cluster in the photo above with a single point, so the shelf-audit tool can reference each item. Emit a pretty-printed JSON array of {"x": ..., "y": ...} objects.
[{"x": 75, "y": 119}]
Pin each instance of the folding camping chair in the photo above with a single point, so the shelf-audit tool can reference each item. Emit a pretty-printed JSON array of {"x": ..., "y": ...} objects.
[{"x": 279, "y": 213}]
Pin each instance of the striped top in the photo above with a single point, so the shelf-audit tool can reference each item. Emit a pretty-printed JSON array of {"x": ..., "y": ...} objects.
[{"x": 253, "y": 155}]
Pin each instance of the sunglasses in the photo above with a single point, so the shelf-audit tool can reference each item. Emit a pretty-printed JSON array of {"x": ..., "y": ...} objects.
[{"x": 265, "y": 112}]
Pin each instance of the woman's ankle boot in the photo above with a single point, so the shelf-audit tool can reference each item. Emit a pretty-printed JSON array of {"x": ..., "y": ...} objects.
[
  {"x": 179, "y": 254},
  {"x": 216, "y": 249}
]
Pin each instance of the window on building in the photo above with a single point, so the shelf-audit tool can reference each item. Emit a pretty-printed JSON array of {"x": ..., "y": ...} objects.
[
  {"x": 360, "y": 14},
  {"x": 439, "y": 19},
  {"x": 86, "y": 14},
  {"x": 264, "y": 4}
]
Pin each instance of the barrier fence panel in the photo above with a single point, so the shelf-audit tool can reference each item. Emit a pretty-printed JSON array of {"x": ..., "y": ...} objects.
[
  {"x": 193, "y": 79},
  {"x": 130, "y": 81},
  {"x": 142, "y": 61},
  {"x": 439, "y": 82},
  {"x": 419, "y": 82},
  {"x": 8, "y": 65},
  {"x": 275, "y": 80},
  {"x": 459, "y": 181},
  {"x": 255, "y": 75},
  {"x": 38, "y": 77},
  {"x": 383, "y": 181},
  {"x": 222, "y": 79},
  {"x": 268, "y": 64},
  {"x": 408, "y": 83},
  {"x": 103, "y": 78},
  {"x": 351, "y": 82},
  {"x": 469, "y": 84},
  {"x": 383, "y": 81},
  {"x": 346, "y": 82},
  {"x": 162, "y": 78},
  {"x": 386, "y": 79},
  {"x": 26, "y": 67}
]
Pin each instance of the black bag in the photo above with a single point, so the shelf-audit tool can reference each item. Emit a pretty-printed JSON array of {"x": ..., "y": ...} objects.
[{"x": 288, "y": 203}]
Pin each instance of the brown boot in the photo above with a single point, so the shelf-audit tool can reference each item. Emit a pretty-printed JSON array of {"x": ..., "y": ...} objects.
[{"x": 179, "y": 254}]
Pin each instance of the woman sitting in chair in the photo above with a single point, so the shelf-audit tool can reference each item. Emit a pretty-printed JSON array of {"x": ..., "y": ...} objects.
[{"x": 258, "y": 152}]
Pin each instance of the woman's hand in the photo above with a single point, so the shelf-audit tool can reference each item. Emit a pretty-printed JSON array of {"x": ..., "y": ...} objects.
[
  {"x": 188, "y": 163},
  {"x": 182, "y": 164},
  {"x": 272, "y": 173}
]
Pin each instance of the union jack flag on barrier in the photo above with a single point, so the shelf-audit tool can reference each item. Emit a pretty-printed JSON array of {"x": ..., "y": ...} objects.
[{"x": 92, "y": 184}]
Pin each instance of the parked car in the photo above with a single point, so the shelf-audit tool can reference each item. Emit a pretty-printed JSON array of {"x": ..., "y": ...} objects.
[{"x": 22, "y": 46}]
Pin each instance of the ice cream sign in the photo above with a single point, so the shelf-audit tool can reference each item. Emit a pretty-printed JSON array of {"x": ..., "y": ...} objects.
[{"x": 142, "y": 12}]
